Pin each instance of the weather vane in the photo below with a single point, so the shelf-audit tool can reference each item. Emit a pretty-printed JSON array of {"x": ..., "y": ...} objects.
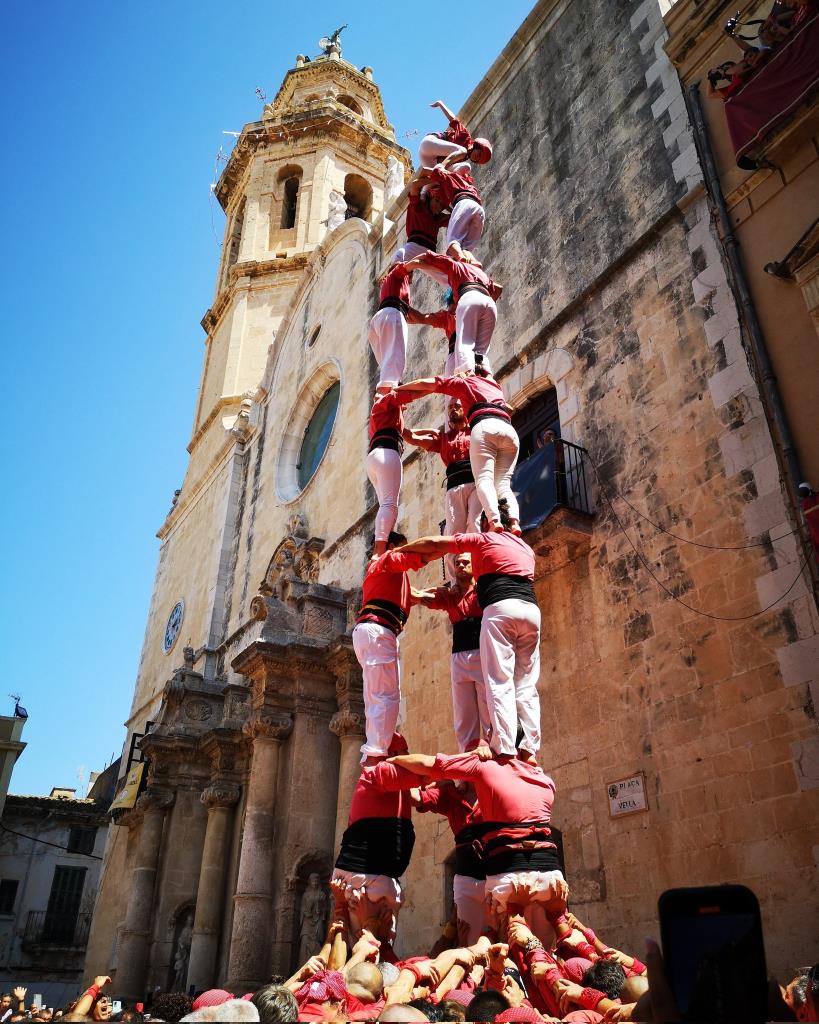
[{"x": 332, "y": 44}]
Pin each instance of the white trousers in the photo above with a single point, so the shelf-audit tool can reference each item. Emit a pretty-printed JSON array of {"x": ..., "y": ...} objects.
[
  {"x": 376, "y": 648},
  {"x": 493, "y": 453},
  {"x": 470, "y": 899},
  {"x": 385, "y": 471},
  {"x": 409, "y": 250},
  {"x": 432, "y": 150},
  {"x": 475, "y": 318},
  {"x": 465, "y": 224},
  {"x": 388, "y": 340},
  {"x": 463, "y": 515},
  {"x": 470, "y": 715},
  {"x": 523, "y": 888},
  {"x": 510, "y": 659},
  {"x": 375, "y": 889}
]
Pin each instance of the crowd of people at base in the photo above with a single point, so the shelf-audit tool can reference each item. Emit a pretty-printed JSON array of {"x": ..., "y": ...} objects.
[{"x": 781, "y": 21}]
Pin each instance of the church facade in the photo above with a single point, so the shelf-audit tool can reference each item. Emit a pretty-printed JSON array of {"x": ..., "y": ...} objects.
[{"x": 677, "y": 685}]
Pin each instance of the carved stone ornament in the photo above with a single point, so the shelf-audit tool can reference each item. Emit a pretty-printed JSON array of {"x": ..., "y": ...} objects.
[
  {"x": 347, "y": 723},
  {"x": 296, "y": 557},
  {"x": 156, "y": 800},
  {"x": 318, "y": 622},
  {"x": 272, "y": 727},
  {"x": 198, "y": 710},
  {"x": 220, "y": 794}
]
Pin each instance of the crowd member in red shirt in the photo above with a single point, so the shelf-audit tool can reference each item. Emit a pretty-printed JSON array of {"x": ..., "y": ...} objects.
[
  {"x": 476, "y": 314},
  {"x": 504, "y": 567},
  {"x": 459, "y": 807},
  {"x": 462, "y": 509},
  {"x": 459, "y": 599},
  {"x": 384, "y": 469},
  {"x": 515, "y": 798},
  {"x": 425, "y": 217},
  {"x": 387, "y": 333},
  {"x": 437, "y": 145},
  {"x": 493, "y": 441},
  {"x": 375, "y": 849},
  {"x": 387, "y": 599}
]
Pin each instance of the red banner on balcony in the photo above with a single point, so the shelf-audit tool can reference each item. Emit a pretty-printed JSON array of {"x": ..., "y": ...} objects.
[{"x": 784, "y": 82}]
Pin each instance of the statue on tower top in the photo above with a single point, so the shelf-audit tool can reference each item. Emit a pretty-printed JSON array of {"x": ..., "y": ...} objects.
[{"x": 332, "y": 44}]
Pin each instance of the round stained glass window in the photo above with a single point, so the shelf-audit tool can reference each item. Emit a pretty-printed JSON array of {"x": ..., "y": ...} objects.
[{"x": 317, "y": 435}]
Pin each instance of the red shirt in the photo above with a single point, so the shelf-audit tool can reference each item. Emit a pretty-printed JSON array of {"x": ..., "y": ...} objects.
[
  {"x": 508, "y": 790},
  {"x": 395, "y": 285},
  {"x": 358, "y": 1010},
  {"x": 386, "y": 413},
  {"x": 444, "y": 321},
  {"x": 473, "y": 390},
  {"x": 457, "y": 272},
  {"x": 382, "y": 791},
  {"x": 421, "y": 223},
  {"x": 450, "y": 804},
  {"x": 455, "y": 183},
  {"x": 457, "y": 606},
  {"x": 496, "y": 552},
  {"x": 385, "y": 579},
  {"x": 458, "y": 133}
]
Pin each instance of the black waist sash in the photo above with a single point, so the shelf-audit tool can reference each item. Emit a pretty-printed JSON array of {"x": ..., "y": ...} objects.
[
  {"x": 469, "y": 851},
  {"x": 387, "y": 613},
  {"x": 377, "y": 846},
  {"x": 421, "y": 239},
  {"x": 465, "y": 195},
  {"x": 472, "y": 286},
  {"x": 500, "y": 586},
  {"x": 388, "y": 438},
  {"x": 459, "y": 472},
  {"x": 392, "y": 303},
  {"x": 484, "y": 410},
  {"x": 537, "y": 852},
  {"x": 466, "y": 635},
  {"x": 451, "y": 345}
]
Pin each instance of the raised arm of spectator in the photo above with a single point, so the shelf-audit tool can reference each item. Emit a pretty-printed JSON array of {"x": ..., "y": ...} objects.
[
  {"x": 19, "y": 994},
  {"x": 305, "y": 972},
  {"x": 85, "y": 1003},
  {"x": 366, "y": 948}
]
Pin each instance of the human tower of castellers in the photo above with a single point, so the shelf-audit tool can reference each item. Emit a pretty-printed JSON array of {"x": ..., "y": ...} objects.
[{"x": 514, "y": 930}]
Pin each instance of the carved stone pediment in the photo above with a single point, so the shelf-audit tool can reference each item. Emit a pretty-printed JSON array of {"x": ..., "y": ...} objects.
[
  {"x": 190, "y": 705},
  {"x": 295, "y": 559}
]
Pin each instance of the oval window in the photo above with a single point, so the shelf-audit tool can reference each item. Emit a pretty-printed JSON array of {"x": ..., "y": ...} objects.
[{"x": 317, "y": 435}]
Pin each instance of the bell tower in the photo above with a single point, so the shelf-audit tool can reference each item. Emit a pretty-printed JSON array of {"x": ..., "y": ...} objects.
[{"x": 321, "y": 154}]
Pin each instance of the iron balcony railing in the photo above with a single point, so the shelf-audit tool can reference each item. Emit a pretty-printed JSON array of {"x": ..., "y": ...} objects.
[
  {"x": 552, "y": 477},
  {"x": 57, "y": 929}
]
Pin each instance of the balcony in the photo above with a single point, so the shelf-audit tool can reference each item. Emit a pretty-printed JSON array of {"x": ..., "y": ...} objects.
[
  {"x": 763, "y": 108},
  {"x": 553, "y": 477},
  {"x": 46, "y": 930}
]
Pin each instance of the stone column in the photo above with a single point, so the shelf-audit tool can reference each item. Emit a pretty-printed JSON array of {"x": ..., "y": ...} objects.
[
  {"x": 136, "y": 932},
  {"x": 347, "y": 724},
  {"x": 219, "y": 798},
  {"x": 249, "y": 963},
  {"x": 349, "y": 727}
]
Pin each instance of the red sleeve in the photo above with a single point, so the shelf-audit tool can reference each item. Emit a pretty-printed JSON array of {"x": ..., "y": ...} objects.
[
  {"x": 430, "y": 800},
  {"x": 393, "y": 779},
  {"x": 448, "y": 385},
  {"x": 455, "y": 766},
  {"x": 440, "y": 319},
  {"x": 466, "y": 542},
  {"x": 437, "y": 261},
  {"x": 442, "y": 600},
  {"x": 590, "y": 997},
  {"x": 399, "y": 561}
]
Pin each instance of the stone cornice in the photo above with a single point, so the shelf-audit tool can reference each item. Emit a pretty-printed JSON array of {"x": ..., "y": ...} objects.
[
  {"x": 695, "y": 29},
  {"x": 190, "y": 495},
  {"x": 328, "y": 117},
  {"x": 248, "y": 269}
]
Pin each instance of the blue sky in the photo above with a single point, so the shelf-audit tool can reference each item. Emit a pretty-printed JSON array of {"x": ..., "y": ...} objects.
[{"x": 113, "y": 115}]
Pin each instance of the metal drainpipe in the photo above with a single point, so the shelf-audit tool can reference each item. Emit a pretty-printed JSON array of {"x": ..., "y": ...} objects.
[{"x": 778, "y": 420}]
